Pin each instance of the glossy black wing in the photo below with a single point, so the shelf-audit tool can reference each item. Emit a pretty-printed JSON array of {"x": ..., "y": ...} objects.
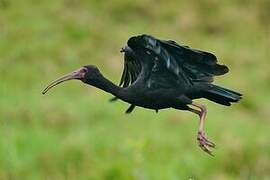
[
  {"x": 186, "y": 64},
  {"x": 199, "y": 66}
]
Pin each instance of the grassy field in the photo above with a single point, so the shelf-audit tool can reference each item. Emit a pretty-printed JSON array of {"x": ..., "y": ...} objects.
[{"x": 75, "y": 133}]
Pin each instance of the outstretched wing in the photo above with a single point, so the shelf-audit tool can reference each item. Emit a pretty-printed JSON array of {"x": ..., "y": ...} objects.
[
  {"x": 186, "y": 64},
  {"x": 199, "y": 66}
]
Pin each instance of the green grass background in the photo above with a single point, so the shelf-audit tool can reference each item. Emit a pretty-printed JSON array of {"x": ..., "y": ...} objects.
[{"x": 75, "y": 133}]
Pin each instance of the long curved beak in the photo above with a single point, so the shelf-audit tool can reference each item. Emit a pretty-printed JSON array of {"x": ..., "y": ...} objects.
[{"x": 78, "y": 74}]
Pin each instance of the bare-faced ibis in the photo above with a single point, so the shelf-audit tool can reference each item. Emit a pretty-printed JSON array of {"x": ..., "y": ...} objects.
[{"x": 161, "y": 74}]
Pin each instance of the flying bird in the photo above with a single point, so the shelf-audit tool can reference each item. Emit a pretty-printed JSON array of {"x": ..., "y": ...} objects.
[{"x": 160, "y": 74}]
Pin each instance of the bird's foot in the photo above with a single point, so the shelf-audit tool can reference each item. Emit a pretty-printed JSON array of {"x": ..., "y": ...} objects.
[{"x": 204, "y": 143}]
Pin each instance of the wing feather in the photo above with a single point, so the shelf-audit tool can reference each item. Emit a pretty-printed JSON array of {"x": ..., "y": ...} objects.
[
  {"x": 200, "y": 65},
  {"x": 191, "y": 65},
  {"x": 131, "y": 71}
]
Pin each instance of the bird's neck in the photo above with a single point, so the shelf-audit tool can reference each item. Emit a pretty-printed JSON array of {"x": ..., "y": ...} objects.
[{"x": 108, "y": 86}]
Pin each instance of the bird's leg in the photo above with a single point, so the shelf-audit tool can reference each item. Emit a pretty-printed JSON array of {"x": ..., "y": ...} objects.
[{"x": 204, "y": 143}]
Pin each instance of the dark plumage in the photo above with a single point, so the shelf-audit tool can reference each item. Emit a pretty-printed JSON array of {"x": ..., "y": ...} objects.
[{"x": 161, "y": 74}]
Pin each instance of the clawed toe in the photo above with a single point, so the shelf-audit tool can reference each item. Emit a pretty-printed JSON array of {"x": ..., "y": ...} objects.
[{"x": 205, "y": 144}]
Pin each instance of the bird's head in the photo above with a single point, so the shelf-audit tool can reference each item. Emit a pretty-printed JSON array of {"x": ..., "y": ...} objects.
[{"x": 88, "y": 74}]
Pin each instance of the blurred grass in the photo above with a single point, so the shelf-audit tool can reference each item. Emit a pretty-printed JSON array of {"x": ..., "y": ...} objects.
[{"x": 74, "y": 133}]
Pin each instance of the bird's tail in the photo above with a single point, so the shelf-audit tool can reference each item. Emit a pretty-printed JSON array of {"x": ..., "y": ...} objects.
[{"x": 222, "y": 95}]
